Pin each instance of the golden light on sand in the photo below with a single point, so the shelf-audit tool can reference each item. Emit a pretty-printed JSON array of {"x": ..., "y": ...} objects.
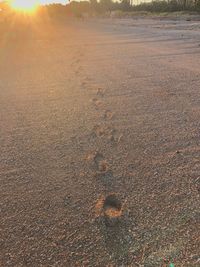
[{"x": 25, "y": 6}]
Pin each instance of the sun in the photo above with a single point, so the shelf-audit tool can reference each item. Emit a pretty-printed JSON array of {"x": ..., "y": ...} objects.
[{"x": 26, "y": 6}]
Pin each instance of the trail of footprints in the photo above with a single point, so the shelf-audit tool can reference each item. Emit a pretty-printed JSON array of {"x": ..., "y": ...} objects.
[
  {"x": 111, "y": 215},
  {"x": 111, "y": 134},
  {"x": 109, "y": 208}
]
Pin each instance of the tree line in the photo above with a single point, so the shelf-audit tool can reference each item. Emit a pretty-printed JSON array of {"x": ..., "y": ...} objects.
[
  {"x": 94, "y": 7},
  {"x": 101, "y": 7}
]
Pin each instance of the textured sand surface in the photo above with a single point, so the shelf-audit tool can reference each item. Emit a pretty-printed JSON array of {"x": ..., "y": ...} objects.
[{"x": 99, "y": 136}]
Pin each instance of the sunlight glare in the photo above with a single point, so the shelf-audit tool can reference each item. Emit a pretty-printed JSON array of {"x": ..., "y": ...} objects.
[{"x": 24, "y": 6}]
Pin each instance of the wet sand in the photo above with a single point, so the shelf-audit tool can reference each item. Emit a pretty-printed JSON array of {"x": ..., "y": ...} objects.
[{"x": 99, "y": 135}]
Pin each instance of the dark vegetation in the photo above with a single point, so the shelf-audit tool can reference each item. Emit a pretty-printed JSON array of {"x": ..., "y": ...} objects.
[{"x": 107, "y": 7}]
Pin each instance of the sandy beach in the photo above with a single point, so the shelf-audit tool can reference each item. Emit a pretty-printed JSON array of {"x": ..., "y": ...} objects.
[{"x": 100, "y": 144}]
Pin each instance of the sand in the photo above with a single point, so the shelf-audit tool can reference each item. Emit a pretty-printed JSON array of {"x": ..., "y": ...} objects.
[{"x": 100, "y": 115}]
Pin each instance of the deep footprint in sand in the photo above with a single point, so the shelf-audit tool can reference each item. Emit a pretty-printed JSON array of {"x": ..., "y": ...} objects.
[{"x": 110, "y": 209}]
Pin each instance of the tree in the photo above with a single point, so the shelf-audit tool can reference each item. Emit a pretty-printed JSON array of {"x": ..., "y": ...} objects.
[
  {"x": 106, "y": 5},
  {"x": 126, "y": 5}
]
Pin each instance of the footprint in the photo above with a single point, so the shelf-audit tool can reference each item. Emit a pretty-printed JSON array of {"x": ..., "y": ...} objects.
[
  {"x": 67, "y": 201},
  {"x": 105, "y": 131},
  {"x": 114, "y": 224},
  {"x": 103, "y": 166},
  {"x": 110, "y": 209},
  {"x": 98, "y": 103},
  {"x": 100, "y": 92},
  {"x": 95, "y": 157},
  {"x": 100, "y": 164},
  {"x": 115, "y": 137},
  {"x": 98, "y": 157},
  {"x": 99, "y": 131},
  {"x": 108, "y": 115}
]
